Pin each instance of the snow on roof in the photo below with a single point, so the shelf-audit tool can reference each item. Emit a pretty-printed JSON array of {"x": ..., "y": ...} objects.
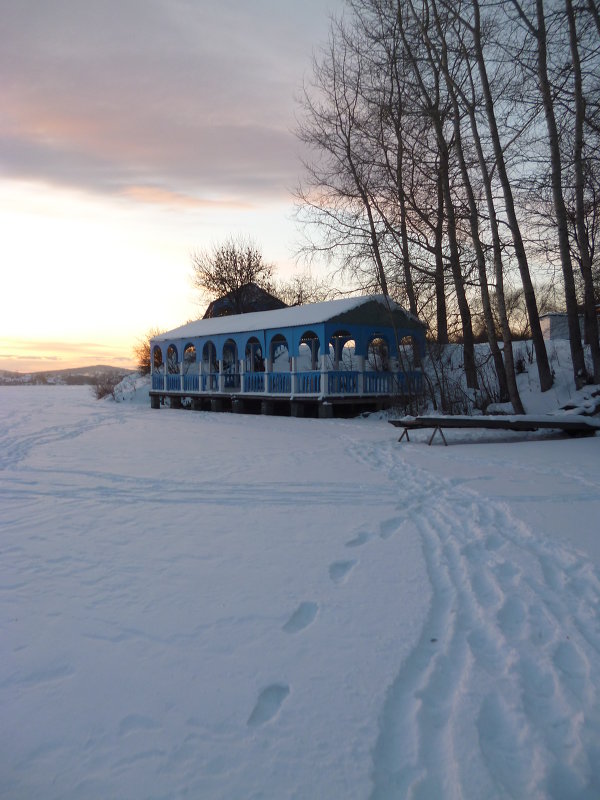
[{"x": 305, "y": 315}]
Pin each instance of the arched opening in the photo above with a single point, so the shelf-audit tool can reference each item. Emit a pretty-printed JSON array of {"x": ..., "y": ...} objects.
[
  {"x": 255, "y": 361},
  {"x": 280, "y": 376},
  {"x": 210, "y": 367},
  {"x": 349, "y": 361},
  {"x": 406, "y": 356},
  {"x": 230, "y": 357},
  {"x": 308, "y": 352},
  {"x": 209, "y": 358},
  {"x": 336, "y": 348},
  {"x": 280, "y": 357},
  {"x": 378, "y": 354},
  {"x": 189, "y": 357},
  {"x": 172, "y": 360},
  {"x": 343, "y": 379},
  {"x": 230, "y": 365},
  {"x": 157, "y": 358}
]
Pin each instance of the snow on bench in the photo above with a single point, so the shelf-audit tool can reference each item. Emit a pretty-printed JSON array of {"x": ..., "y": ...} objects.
[{"x": 572, "y": 424}]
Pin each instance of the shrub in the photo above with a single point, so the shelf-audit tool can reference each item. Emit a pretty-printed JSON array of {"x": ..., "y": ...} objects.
[{"x": 105, "y": 386}]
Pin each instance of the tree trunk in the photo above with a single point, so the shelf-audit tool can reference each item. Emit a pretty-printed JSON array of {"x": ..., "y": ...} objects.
[
  {"x": 459, "y": 286},
  {"x": 543, "y": 365},
  {"x": 509, "y": 362},
  {"x": 440, "y": 289},
  {"x": 593, "y": 9},
  {"x": 408, "y": 280},
  {"x": 577, "y": 355},
  {"x": 473, "y": 219},
  {"x": 583, "y": 243}
]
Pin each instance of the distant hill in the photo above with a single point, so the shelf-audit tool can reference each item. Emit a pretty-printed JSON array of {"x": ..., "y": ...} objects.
[{"x": 76, "y": 376}]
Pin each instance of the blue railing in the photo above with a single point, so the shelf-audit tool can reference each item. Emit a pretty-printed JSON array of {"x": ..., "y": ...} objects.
[
  {"x": 210, "y": 382},
  {"x": 344, "y": 382},
  {"x": 254, "y": 382},
  {"x": 173, "y": 383},
  {"x": 379, "y": 383},
  {"x": 411, "y": 382},
  {"x": 231, "y": 381},
  {"x": 308, "y": 382},
  {"x": 191, "y": 383},
  {"x": 280, "y": 382}
]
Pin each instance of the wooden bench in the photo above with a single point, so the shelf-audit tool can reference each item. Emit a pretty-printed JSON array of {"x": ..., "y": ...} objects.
[{"x": 576, "y": 425}]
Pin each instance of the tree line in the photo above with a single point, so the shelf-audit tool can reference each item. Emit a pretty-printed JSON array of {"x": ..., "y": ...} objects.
[{"x": 454, "y": 161}]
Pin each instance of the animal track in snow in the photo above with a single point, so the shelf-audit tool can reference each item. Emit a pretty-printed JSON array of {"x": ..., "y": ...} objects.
[
  {"x": 339, "y": 570},
  {"x": 302, "y": 617},
  {"x": 268, "y": 704}
]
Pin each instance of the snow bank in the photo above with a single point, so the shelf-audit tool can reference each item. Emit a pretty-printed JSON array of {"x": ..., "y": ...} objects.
[{"x": 133, "y": 389}]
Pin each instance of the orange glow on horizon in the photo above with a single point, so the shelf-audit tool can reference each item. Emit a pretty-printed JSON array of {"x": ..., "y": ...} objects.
[{"x": 29, "y": 355}]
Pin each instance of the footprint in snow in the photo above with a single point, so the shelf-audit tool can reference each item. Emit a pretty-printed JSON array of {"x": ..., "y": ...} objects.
[
  {"x": 511, "y": 618},
  {"x": 302, "y": 617},
  {"x": 339, "y": 570},
  {"x": 268, "y": 704},
  {"x": 136, "y": 723},
  {"x": 359, "y": 539},
  {"x": 389, "y": 526}
]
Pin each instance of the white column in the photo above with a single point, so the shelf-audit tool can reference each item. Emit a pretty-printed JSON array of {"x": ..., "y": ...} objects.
[
  {"x": 268, "y": 371},
  {"x": 361, "y": 374},
  {"x": 221, "y": 380},
  {"x": 324, "y": 386},
  {"x": 293, "y": 370}
]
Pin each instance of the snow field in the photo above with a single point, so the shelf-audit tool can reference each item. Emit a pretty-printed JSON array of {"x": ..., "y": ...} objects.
[{"x": 222, "y": 606}]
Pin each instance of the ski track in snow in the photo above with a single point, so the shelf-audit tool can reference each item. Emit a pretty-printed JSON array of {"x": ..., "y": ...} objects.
[
  {"x": 504, "y": 661},
  {"x": 15, "y": 447}
]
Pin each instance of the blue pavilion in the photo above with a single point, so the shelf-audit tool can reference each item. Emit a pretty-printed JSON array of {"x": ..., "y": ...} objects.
[{"x": 352, "y": 355}]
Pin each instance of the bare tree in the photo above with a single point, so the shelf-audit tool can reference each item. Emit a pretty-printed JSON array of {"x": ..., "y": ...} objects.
[
  {"x": 477, "y": 44},
  {"x": 141, "y": 351},
  {"x": 581, "y": 228},
  {"x": 224, "y": 269},
  {"x": 436, "y": 106},
  {"x": 429, "y": 123},
  {"x": 537, "y": 29},
  {"x": 303, "y": 288}
]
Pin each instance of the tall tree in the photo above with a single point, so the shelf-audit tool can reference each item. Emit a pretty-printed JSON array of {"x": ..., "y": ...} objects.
[
  {"x": 582, "y": 234},
  {"x": 536, "y": 26},
  {"x": 477, "y": 46}
]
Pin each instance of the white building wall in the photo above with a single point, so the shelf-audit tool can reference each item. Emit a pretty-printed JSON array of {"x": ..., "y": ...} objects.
[{"x": 555, "y": 326}]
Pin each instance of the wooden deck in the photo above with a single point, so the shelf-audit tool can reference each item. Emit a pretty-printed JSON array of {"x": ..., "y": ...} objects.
[{"x": 577, "y": 425}]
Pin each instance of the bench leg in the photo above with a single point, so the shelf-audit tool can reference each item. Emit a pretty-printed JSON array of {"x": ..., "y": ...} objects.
[
  {"x": 435, "y": 430},
  {"x": 404, "y": 433}
]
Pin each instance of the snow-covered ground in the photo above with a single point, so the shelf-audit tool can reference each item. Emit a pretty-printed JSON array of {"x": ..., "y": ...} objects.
[{"x": 221, "y": 606}]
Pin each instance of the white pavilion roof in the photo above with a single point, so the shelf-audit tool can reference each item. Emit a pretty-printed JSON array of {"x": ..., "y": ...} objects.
[{"x": 305, "y": 315}]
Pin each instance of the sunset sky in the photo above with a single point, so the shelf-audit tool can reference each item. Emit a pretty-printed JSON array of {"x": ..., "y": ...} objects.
[{"x": 133, "y": 132}]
